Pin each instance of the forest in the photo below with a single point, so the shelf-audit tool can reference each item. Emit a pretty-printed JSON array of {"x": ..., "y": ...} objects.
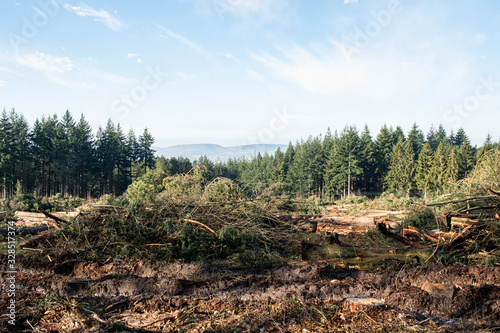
[{"x": 61, "y": 155}]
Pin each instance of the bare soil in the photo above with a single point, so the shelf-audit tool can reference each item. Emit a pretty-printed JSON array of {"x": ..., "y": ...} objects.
[{"x": 147, "y": 296}]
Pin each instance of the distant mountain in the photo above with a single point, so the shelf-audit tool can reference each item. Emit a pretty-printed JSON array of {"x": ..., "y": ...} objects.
[{"x": 216, "y": 152}]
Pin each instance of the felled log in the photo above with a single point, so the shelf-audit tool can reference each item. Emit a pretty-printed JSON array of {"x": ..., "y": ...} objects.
[
  {"x": 36, "y": 238},
  {"x": 24, "y": 231},
  {"x": 55, "y": 218},
  {"x": 368, "y": 305},
  {"x": 312, "y": 251},
  {"x": 340, "y": 228},
  {"x": 462, "y": 200},
  {"x": 31, "y": 215},
  {"x": 383, "y": 230},
  {"x": 105, "y": 208}
]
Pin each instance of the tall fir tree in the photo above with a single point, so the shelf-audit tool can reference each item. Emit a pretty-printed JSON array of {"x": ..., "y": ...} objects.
[{"x": 423, "y": 170}]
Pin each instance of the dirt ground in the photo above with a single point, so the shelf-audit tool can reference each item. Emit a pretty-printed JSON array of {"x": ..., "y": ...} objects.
[{"x": 145, "y": 296}]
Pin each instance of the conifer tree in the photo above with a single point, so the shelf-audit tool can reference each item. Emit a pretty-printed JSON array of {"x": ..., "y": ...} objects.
[
  {"x": 384, "y": 149},
  {"x": 451, "y": 174},
  {"x": 465, "y": 159},
  {"x": 423, "y": 171},
  {"x": 438, "y": 169}
]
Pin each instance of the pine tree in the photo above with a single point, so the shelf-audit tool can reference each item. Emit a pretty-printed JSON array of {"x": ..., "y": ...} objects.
[
  {"x": 465, "y": 159},
  {"x": 423, "y": 173},
  {"x": 85, "y": 158},
  {"x": 451, "y": 174},
  {"x": 146, "y": 153},
  {"x": 438, "y": 170},
  {"x": 487, "y": 146},
  {"x": 6, "y": 144},
  {"x": 344, "y": 163},
  {"x": 395, "y": 174},
  {"x": 416, "y": 138},
  {"x": 383, "y": 152},
  {"x": 401, "y": 169},
  {"x": 367, "y": 159}
]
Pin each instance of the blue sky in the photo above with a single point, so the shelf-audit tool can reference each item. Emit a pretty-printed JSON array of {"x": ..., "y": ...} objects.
[{"x": 235, "y": 72}]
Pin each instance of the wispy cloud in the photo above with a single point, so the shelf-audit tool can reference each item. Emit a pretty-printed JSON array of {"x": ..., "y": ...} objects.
[
  {"x": 136, "y": 57},
  {"x": 99, "y": 15},
  {"x": 2, "y": 83},
  {"x": 376, "y": 74},
  {"x": 169, "y": 34},
  {"x": 244, "y": 7},
  {"x": 66, "y": 72},
  {"x": 350, "y": 1},
  {"x": 45, "y": 62}
]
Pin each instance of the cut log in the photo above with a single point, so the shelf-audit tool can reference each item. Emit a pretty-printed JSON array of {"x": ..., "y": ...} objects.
[
  {"x": 413, "y": 234},
  {"x": 462, "y": 200},
  {"x": 368, "y": 305},
  {"x": 31, "y": 215},
  {"x": 312, "y": 251},
  {"x": 24, "y": 231},
  {"x": 383, "y": 230},
  {"x": 339, "y": 228}
]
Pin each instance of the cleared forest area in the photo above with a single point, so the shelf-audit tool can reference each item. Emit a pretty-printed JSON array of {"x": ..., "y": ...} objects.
[{"x": 280, "y": 243}]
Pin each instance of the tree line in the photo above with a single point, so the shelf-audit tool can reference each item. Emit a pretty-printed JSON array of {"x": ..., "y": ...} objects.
[
  {"x": 336, "y": 165},
  {"x": 64, "y": 156}
]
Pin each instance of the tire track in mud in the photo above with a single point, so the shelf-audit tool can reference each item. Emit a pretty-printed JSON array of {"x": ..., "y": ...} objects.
[{"x": 476, "y": 290}]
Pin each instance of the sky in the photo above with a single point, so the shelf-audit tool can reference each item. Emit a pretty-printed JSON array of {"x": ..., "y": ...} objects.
[{"x": 235, "y": 72}]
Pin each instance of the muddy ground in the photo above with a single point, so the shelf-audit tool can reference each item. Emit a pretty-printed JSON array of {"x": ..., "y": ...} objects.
[{"x": 144, "y": 296}]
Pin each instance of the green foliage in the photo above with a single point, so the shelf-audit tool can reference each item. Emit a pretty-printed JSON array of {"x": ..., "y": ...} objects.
[
  {"x": 422, "y": 218},
  {"x": 423, "y": 173},
  {"x": 29, "y": 203}
]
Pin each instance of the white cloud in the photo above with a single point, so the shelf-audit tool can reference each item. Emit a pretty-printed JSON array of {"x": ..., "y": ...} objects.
[
  {"x": 65, "y": 72},
  {"x": 241, "y": 7},
  {"x": 139, "y": 61},
  {"x": 182, "y": 39},
  {"x": 377, "y": 74},
  {"x": 350, "y": 1},
  {"x": 45, "y": 62},
  {"x": 2, "y": 83},
  {"x": 99, "y": 15},
  {"x": 132, "y": 55}
]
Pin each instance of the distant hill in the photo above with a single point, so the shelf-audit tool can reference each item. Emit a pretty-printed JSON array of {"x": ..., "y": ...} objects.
[{"x": 216, "y": 152}]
